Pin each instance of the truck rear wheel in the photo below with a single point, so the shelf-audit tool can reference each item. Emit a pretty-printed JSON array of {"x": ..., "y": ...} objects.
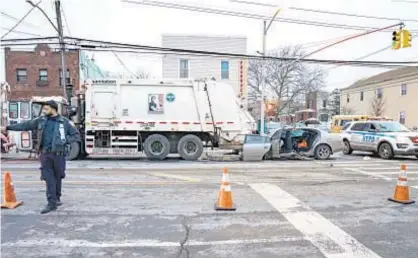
[
  {"x": 156, "y": 147},
  {"x": 190, "y": 147}
]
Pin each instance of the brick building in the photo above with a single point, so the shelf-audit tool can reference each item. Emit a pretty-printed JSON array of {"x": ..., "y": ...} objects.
[{"x": 38, "y": 72}]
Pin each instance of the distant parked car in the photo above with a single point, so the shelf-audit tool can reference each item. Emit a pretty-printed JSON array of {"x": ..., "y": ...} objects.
[{"x": 316, "y": 143}]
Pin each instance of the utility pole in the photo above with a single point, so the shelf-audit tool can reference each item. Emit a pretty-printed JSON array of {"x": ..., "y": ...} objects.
[
  {"x": 62, "y": 47},
  {"x": 263, "y": 78}
]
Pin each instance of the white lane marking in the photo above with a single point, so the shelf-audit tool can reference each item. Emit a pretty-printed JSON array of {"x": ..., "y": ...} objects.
[
  {"x": 142, "y": 242},
  {"x": 409, "y": 169},
  {"x": 369, "y": 174},
  {"x": 332, "y": 241},
  {"x": 185, "y": 178},
  {"x": 393, "y": 173}
]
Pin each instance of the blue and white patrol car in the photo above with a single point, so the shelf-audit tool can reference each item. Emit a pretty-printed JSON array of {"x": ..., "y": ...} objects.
[{"x": 385, "y": 138}]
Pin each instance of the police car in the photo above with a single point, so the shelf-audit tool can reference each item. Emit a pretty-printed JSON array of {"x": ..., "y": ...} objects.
[{"x": 385, "y": 138}]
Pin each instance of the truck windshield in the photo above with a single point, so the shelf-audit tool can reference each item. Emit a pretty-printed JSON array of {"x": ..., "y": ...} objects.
[
  {"x": 391, "y": 127},
  {"x": 36, "y": 110}
]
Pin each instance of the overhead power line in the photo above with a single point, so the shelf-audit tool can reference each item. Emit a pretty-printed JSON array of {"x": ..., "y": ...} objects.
[
  {"x": 99, "y": 45},
  {"x": 65, "y": 19},
  {"x": 20, "y": 32},
  {"x": 123, "y": 64},
  {"x": 21, "y": 20},
  {"x": 113, "y": 45},
  {"x": 251, "y": 15},
  {"x": 326, "y": 12},
  {"x": 16, "y": 19}
]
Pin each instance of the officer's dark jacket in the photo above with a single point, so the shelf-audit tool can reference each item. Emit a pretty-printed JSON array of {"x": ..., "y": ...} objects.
[{"x": 58, "y": 145}]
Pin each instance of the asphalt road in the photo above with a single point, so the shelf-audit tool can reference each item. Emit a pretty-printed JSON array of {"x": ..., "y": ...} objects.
[{"x": 130, "y": 208}]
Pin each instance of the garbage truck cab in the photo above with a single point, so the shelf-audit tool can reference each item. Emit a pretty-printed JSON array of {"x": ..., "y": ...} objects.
[{"x": 22, "y": 111}]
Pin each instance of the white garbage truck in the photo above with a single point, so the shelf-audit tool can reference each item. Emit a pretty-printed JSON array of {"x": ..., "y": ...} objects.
[{"x": 158, "y": 118}]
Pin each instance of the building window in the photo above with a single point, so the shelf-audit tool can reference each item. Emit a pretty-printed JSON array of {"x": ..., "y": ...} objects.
[
  {"x": 43, "y": 75},
  {"x": 67, "y": 77},
  {"x": 348, "y": 98},
  {"x": 224, "y": 70},
  {"x": 184, "y": 68},
  {"x": 21, "y": 75},
  {"x": 324, "y": 103},
  {"x": 362, "y": 96},
  {"x": 404, "y": 89},
  {"x": 402, "y": 117},
  {"x": 379, "y": 93}
]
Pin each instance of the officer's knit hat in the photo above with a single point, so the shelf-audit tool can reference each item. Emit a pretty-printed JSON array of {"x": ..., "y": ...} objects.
[{"x": 52, "y": 104}]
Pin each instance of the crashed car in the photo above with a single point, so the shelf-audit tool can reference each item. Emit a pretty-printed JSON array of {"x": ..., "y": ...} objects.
[{"x": 287, "y": 142}]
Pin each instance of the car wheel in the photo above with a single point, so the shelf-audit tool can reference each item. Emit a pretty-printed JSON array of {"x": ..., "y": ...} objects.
[
  {"x": 322, "y": 152},
  {"x": 190, "y": 147},
  {"x": 385, "y": 151},
  {"x": 156, "y": 147},
  {"x": 416, "y": 156},
  {"x": 347, "y": 150}
]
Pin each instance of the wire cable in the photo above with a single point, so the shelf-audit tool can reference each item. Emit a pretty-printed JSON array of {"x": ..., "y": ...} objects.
[
  {"x": 189, "y": 51},
  {"x": 327, "y": 12},
  {"x": 21, "y": 20},
  {"x": 16, "y": 19},
  {"x": 65, "y": 18},
  {"x": 20, "y": 32},
  {"x": 123, "y": 64},
  {"x": 250, "y": 15}
]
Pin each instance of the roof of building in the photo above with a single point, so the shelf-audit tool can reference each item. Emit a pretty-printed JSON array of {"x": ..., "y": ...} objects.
[{"x": 386, "y": 76}]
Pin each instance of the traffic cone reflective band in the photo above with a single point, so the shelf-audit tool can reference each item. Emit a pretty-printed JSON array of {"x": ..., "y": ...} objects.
[
  {"x": 9, "y": 197},
  {"x": 402, "y": 189},
  {"x": 224, "y": 202}
]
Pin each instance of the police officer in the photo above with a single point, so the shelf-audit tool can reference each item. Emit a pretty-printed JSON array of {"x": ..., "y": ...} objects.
[{"x": 54, "y": 133}]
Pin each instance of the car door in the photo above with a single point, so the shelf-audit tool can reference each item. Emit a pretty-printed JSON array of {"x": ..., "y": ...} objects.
[
  {"x": 255, "y": 147},
  {"x": 357, "y": 131},
  {"x": 369, "y": 140},
  {"x": 275, "y": 143}
]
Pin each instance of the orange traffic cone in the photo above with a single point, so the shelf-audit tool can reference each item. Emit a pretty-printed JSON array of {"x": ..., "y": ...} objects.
[
  {"x": 402, "y": 189},
  {"x": 9, "y": 197},
  {"x": 224, "y": 202}
]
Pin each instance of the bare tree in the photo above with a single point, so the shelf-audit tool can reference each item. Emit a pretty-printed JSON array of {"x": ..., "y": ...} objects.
[
  {"x": 378, "y": 105},
  {"x": 287, "y": 80},
  {"x": 141, "y": 74},
  {"x": 347, "y": 111}
]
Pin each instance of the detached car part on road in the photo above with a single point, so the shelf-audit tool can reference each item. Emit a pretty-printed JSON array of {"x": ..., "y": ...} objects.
[
  {"x": 385, "y": 138},
  {"x": 286, "y": 142}
]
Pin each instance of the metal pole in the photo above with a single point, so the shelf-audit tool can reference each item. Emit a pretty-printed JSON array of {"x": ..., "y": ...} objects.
[
  {"x": 263, "y": 78},
  {"x": 62, "y": 47}
]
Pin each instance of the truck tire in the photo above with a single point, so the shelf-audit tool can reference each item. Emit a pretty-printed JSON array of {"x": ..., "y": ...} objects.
[
  {"x": 74, "y": 151},
  {"x": 190, "y": 147},
  {"x": 156, "y": 147}
]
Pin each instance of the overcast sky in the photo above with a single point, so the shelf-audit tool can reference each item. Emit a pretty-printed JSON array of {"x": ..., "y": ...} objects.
[{"x": 113, "y": 20}]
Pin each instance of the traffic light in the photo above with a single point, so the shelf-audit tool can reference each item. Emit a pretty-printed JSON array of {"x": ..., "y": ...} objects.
[
  {"x": 396, "y": 40},
  {"x": 406, "y": 39}
]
